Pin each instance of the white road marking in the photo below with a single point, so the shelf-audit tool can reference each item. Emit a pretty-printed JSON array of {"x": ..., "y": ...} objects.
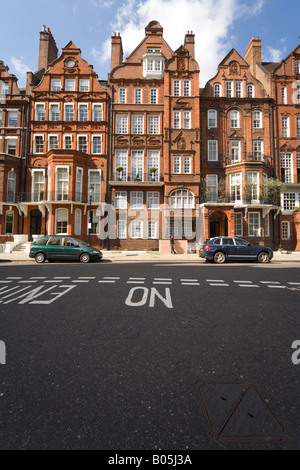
[
  {"x": 27, "y": 282},
  {"x": 15, "y": 278},
  {"x": 190, "y": 283},
  {"x": 269, "y": 282}
]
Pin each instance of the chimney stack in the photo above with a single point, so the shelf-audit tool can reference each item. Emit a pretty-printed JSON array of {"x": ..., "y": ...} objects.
[
  {"x": 253, "y": 53},
  {"x": 116, "y": 51},
  {"x": 48, "y": 50},
  {"x": 189, "y": 43}
]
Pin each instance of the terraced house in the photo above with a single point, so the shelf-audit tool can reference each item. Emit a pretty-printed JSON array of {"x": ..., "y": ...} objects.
[{"x": 161, "y": 155}]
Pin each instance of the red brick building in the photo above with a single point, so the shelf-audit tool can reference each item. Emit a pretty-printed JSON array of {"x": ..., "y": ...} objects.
[
  {"x": 14, "y": 141},
  {"x": 237, "y": 155},
  {"x": 282, "y": 81},
  {"x": 68, "y": 145},
  {"x": 155, "y": 160}
]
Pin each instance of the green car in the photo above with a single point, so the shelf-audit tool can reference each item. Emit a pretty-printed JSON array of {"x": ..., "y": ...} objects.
[{"x": 63, "y": 249}]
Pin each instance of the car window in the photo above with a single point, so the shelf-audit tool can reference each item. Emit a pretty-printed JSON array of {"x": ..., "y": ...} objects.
[
  {"x": 217, "y": 241},
  {"x": 227, "y": 241},
  {"x": 54, "y": 242},
  {"x": 241, "y": 242},
  {"x": 40, "y": 241}
]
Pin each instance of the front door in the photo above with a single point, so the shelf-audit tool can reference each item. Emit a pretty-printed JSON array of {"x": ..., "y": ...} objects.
[
  {"x": 214, "y": 226},
  {"x": 35, "y": 222}
]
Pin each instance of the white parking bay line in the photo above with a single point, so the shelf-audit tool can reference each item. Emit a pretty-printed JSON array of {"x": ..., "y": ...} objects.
[
  {"x": 135, "y": 282},
  {"x": 294, "y": 283},
  {"x": 5, "y": 282},
  {"x": 277, "y": 287},
  {"x": 190, "y": 283},
  {"x": 269, "y": 282},
  {"x": 189, "y": 280},
  {"x": 109, "y": 277},
  {"x": 243, "y": 282},
  {"x": 87, "y": 277},
  {"x": 16, "y": 278},
  {"x": 162, "y": 279},
  {"x": 218, "y": 284},
  {"x": 106, "y": 281},
  {"x": 62, "y": 277},
  {"x": 52, "y": 281},
  {"x": 248, "y": 285},
  {"x": 80, "y": 280}
]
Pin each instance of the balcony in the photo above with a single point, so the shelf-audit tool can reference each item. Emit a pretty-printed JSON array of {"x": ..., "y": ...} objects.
[
  {"x": 143, "y": 178},
  {"x": 58, "y": 197}
]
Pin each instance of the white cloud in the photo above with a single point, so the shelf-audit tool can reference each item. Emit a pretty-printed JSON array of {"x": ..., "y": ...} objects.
[
  {"x": 210, "y": 21},
  {"x": 273, "y": 55},
  {"x": 102, "y": 3},
  {"x": 18, "y": 68}
]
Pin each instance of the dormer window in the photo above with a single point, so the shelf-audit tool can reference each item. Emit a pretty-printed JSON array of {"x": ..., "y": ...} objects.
[{"x": 153, "y": 63}]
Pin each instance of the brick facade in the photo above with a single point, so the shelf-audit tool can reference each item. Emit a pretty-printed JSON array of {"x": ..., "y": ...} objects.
[{"x": 166, "y": 156}]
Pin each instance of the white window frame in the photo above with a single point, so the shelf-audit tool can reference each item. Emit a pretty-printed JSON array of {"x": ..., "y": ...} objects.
[
  {"x": 38, "y": 114},
  {"x": 152, "y": 200},
  {"x": 94, "y": 180},
  {"x": 55, "y": 84},
  {"x": 254, "y": 224},
  {"x": 176, "y": 87},
  {"x": 12, "y": 122},
  {"x": 250, "y": 90},
  {"x": 121, "y": 229},
  {"x": 234, "y": 119},
  {"x": 229, "y": 88},
  {"x": 153, "y": 95},
  {"x": 122, "y": 94},
  {"x": 40, "y": 184},
  {"x": 97, "y": 136},
  {"x": 257, "y": 119},
  {"x": 35, "y": 145},
  {"x": 78, "y": 184},
  {"x": 138, "y": 95},
  {"x": 11, "y": 186},
  {"x": 68, "y": 83},
  {"x": 253, "y": 179},
  {"x": 68, "y": 106},
  {"x": 182, "y": 199},
  {"x": 238, "y": 224},
  {"x": 176, "y": 119},
  {"x": 95, "y": 113},
  {"x": 285, "y": 126},
  {"x": 153, "y": 124},
  {"x": 186, "y": 119},
  {"x": 120, "y": 200},
  {"x": 283, "y": 95},
  {"x": 65, "y": 219},
  {"x": 83, "y": 116},
  {"x": 121, "y": 124},
  {"x": 258, "y": 150},
  {"x": 217, "y": 90},
  {"x": 235, "y": 151},
  {"x": 153, "y": 157},
  {"x": 186, "y": 87},
  {"x": 137, "y": 124},
  {"x": 70, "y": 136},
  {"x": 77, "y": 221},
  {"x": 137, "y": 164},
  {"x": 136, "y": 199},
  {"x": 238, "y": 86},
  {"x": 212, "y": 118},
  {"x": 151, "y": 229},
  {"x": 56, "y": 145},
  {"x": 212, "y": 150},
  {"x": 211, "y": 188},
  {"x": 62, "y": 186},
  {"x": 285, "y": 230},
  {"x": 136, "y": 229},
  {"x": 84, "y": 84},
  {"x": 267, "y": 225},
  {"x": 11, "y": 144},
  {"x": 79, "y": 137},
  {"x": 235, "y": 184},
  {"x": 121, "y": 159},
  {"x": 51, "y": 106}
]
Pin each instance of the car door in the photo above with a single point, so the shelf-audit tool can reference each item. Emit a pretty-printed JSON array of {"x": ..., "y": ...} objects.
[
  {"x": 229, "y": 247},
  {"x": 54, "y": 248},
  {"x": 71, "y": 249},
  {"x": 245, "y": 250}
]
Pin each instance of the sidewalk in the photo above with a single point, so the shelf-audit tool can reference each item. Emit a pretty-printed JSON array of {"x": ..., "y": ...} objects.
[{"x": 147, "y": 256}]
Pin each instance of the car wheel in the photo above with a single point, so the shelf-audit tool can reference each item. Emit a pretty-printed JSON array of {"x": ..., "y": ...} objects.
[
  {"x": 40, "y": 257},
  {"x": 219, "y": 257},
  {"x": 85, "y": 258},
  {"x": 263, "y": 257}
]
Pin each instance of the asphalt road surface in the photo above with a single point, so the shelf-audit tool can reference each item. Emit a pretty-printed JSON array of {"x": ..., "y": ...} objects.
[{"x": 149, "y": 356}]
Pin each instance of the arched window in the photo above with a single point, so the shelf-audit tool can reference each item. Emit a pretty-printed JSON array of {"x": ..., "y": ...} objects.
[
  {"x": 217, "y": 90},
  {"x": 212, "y": 118},
  {"x": 250, "y": 91},
  {"x": 234, "y": 119},
  {"x": 182, "y": 199},
  {"x": 61, "y": 222},
  {"x": 9, "y": 222}
]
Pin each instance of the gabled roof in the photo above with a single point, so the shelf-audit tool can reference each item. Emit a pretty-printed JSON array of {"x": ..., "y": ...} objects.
[{"x": 233, "y": 55}]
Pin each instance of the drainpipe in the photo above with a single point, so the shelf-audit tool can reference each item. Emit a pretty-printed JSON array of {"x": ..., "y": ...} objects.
[
  {"x": 277, "y": 159},
  {"x": 110, "y": 146}
]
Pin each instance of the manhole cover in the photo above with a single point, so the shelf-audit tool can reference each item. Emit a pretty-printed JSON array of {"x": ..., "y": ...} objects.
[
  {"x": 237, "y": 412},
  {"x": 188, "y": 319}
]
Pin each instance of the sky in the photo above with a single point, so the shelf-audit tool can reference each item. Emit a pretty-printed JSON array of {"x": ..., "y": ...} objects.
[{"x": 218, "y": 25}]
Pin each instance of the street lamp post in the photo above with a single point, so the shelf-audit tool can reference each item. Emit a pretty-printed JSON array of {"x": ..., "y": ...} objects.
[{"x": 91, "y": 194}]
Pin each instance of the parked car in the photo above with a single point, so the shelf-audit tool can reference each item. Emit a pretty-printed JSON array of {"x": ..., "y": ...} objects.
[
  {"x": 222, "y": 249},
  {"x": 63, "y": 249}
]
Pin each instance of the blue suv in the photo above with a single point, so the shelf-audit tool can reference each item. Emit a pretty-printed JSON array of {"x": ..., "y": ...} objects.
[{"x": 222, "y": 249}]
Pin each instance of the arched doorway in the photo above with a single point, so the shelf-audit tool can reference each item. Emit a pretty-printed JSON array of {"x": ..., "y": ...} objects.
[
  {"x": 214, "y": 226},
  {"x": 35, "y": 222}
]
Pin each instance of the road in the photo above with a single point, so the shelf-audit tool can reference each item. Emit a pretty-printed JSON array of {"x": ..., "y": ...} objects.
[{"x": 149, "y": 356}]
